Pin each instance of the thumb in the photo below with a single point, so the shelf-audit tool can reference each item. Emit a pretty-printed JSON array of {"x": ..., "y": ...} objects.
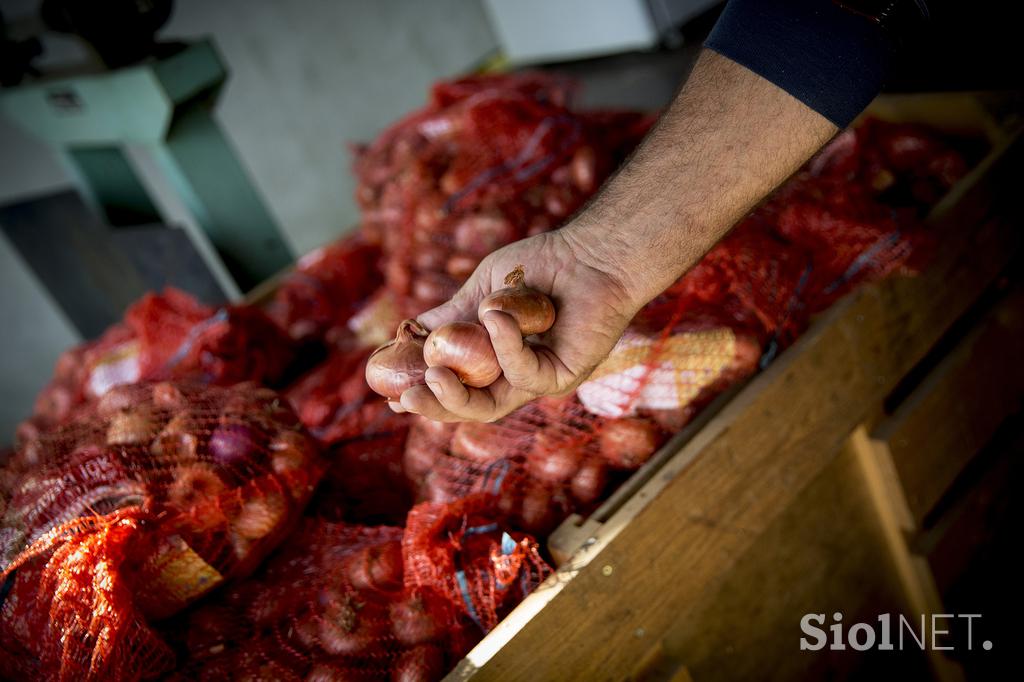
[
  {"x": 442, "y": 314},
  {"x": 461, "y": 307}
]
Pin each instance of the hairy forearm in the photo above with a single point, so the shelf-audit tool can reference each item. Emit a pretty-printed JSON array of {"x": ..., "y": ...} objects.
[{"x": 727, "y": 140}]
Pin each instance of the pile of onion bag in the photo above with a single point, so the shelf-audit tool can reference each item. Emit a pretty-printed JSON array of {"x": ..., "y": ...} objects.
[{"x": 191, "y": 500}]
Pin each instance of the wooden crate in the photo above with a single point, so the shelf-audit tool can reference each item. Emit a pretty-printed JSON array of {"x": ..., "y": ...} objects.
[{"x": 804, "y": 491}]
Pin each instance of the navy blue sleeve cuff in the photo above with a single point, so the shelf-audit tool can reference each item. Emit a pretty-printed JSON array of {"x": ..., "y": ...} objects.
[{"x": 832, "y": 60}]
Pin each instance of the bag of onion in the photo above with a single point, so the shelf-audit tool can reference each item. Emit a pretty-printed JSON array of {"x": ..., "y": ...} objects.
[
  {"x": 136, "y": 510},
  {"x": 369, "y": 603}
]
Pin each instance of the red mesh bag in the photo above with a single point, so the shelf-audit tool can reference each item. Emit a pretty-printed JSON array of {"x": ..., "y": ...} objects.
[
  {"x": 338, "y": 602},
  {"x": 832, "y": 227},
  {"x": 164, "y": 336},
  {"x": 365, "y": 482},
  {"x": 489, "y": 160},
  {"x": 134, "y": 511},
  {"x": 334, "y": 402},
  {"x": 326, "y": 287},
  {"x": 180, "y": 338}
]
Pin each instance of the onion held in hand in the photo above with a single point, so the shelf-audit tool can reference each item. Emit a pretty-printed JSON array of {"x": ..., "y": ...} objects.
[
  {"x": 533, "y": 311},
  {"x": 398, "y": 364},
  {"x": 464, "y": 348}
]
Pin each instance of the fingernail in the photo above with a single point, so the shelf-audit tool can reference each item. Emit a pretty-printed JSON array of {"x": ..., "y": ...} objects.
[{"x": 436, "y": 388}]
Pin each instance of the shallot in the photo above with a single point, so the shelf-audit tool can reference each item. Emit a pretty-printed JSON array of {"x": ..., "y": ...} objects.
[
  {"x": 417, "y": 619},
  {"x": 628, "y": 442},
  {"x": 533, "y": 311},
  {"x": 465, "y": 348},
  {"x": 398, "y": 365}
]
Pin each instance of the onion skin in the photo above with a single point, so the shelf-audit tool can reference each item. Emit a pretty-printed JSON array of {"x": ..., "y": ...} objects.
[
  {"x": 590, "y": 481},
  {"x": 127, "y": 427},
  {"x": 464, "y": 348},
  {"x": 398, "y": 364},
  {"x": 533, "y": 311},
  {"x": 232, "y": 444},
  {"x": 377, "y": 568},
  {"x": 477, "y": 442},
  {"x": 584, "y": 169},
  {"x": 421, "y": 663},
  {"x": 480, "y": 234},
  {"x": 416, "y": 620},
  {"x": 460, "y": 266},
  {"x": 628, "y": 442},
  {"x": 553, "y": 462}
]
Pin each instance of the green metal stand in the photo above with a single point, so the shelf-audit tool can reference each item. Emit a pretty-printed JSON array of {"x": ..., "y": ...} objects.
[{"x": 167, "y": 106}]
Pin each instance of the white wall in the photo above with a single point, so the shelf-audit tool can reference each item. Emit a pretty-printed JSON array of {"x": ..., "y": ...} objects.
[
  {"x": 309, "y": 77},
  {"x": 306, "y": 78}
]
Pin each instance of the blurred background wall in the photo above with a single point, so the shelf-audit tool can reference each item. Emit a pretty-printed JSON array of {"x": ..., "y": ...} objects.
[{"x": 306, "y": 78}]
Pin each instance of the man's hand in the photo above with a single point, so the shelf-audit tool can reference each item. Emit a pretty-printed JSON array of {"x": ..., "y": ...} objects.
[
  {"x": 727, "y": 140},
  {"x": 593, "y": 309}
]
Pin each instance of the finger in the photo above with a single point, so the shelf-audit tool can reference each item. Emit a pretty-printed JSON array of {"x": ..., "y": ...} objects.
[
  {"x": 442, "y": 314},
  {"x": 473, "y": 404},
  {"x": 420, "y": 400},
  {"x": 462, "y": 306},
  {"x": 523, "y": 367},
  {"x": 396, "y": 406}
]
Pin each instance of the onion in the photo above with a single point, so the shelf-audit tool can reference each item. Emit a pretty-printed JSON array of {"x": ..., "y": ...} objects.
[
  {"x": 397, "y": 276},
  {"x": 168, "y": 396},
  {"x": 553, "y": 462},
  {"x": 117, "y": 399},
  {"x": 232, "y": 444},
  {"x": 433, "y": 288},
  {"x": 477, "y": 442},
  {"x": 583, "y": 166},
  {"x": 439, "y": 433},
  {"x": 429, "y": 258},
  {"x": 629, "y": 442},
  {"x": 419, "y": 458},
  {"x": 259, "y": 516},
  {"x": 589, "y": 482},
  {"x": 465, "y": 348},
  {"x": 130, "y": 426},
  {"x": 423, "y": 663},
  {"x": 177, "y": 442},
  {"x": 347, "y": 627},
  {"x": 533, "y": 311},
  {"x": 398, "y": 364},
  {"x": 558, "y": 201},
  {"x": 377, "y": 568},
  {"x": 192, "y": 484},
  {"x": 305, "y": 632},
  {"x": 460, "y": 266},
  {"x": 537, "y": 511},
  {"x": 671, "y": 419},
  {"x": 479, "y": 234},
  {"x": 289, "y": 451},
  {"x": 416, "y": 620}
]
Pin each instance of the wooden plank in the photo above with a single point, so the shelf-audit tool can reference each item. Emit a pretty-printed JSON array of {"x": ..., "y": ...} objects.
[
  {"x": 897, "y": 521},
  {"x": 988, "y": 505},
  {"x": 747, "y": 626},
  {"x": 678, "y": 537},
  {"x": 955, "y": 411}
]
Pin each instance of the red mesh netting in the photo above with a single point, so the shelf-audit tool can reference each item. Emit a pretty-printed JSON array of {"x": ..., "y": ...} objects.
[
  {"x": 165, "y": 336},
  {"x": 130, "y": 513},
  {"x": 326, "y": 287},
  {"x": 350, "y": 602},
  {"x": 489, "y": 160}
]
